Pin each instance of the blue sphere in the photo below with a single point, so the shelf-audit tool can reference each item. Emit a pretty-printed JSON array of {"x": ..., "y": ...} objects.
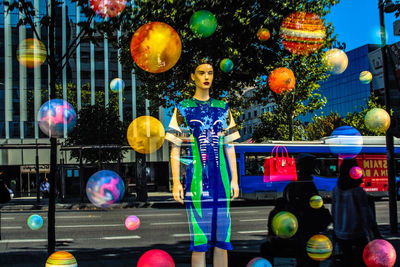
[
  {"x": 346, "y": 142},
  {"x": 35, "y": 222},
  {"x": 259, "y": 262},
  {"x": 226, "y": 65},
  {"x": 117, "y": 85},
  {"x": 56, "y": 115}
]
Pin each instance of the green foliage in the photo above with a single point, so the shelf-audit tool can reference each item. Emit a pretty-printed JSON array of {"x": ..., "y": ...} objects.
[
  {"x": 98, "y": 125},
  {"x": 235, "y": 38}
]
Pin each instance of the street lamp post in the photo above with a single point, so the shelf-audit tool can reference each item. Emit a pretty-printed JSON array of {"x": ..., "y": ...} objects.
[{"x": 385, "y": 6}]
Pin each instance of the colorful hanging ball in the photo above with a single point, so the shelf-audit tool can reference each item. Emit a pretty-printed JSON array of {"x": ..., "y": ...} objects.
[
  {"x": 365, "y": 77},
  {"x": 316, "y": 202},
  {"x": 356, "y": 172},
  {"x": 302, "y": 33},
  {"x": 145, "y": 134},
  {"x": 377, "y": 119},
  {"x": 263, "y": 34},
  {"x": 203, "y": 23},
  {"x": 335, "y": 60},
  {"x": 285, "y": 224},
  {"x": 259, "y": 262},
  {"x": 35, "y": 222},
  {"x": 156, "y": 47},
  {"x": 319, "y": 247},
  {"x": 61, "y": 259},
  {"x": 156, "y": 258},
  {"x": 117, "y": 85},
  {"x": 108, "y": 8},
  {"x": 226, "y": 65},
  {"x": 281, "y": 80},
  {"x": 132, "y": 222},
  {"x": 31, "y": 53},
  {"x": 379, "y": 253}
]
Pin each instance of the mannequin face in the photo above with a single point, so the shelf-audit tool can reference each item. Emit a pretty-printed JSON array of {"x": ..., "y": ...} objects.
[{"x": 203, "y": 76}]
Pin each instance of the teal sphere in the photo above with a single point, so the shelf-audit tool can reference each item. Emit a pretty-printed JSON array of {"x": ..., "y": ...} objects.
[
  {"x": 117, "y": 85},
  {"x": 203, "y": 23},
  {"x": 226, "y": 65},
  {"x": 35, "y": 222}
]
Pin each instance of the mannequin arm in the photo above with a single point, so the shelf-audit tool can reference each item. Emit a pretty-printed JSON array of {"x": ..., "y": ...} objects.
[
  {"x": 177, "y": 189},
  {"x": 231, "y": 156}
]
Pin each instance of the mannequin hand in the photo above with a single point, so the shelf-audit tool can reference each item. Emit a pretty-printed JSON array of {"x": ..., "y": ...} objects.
[
  {"x": 234, "y": 190},
  {"x": 177, "y": 192}
]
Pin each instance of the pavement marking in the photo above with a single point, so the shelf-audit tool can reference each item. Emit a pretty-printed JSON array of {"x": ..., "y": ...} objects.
[
  {"x": 244, "y": 211},
  {"x": 184, "y": 235},
  {"x": 167, "y": 223},
  {"x": 8, "y": 218},
  {"x": 78, "y": 216},
  {"x": 120, "y": 237},
  {"x": 252, "y": 232},
  {"x": 158, "y": 214},
  {"x": 251, "y": 220},
  {"x": 392, "y": 238},
  {"x": 88, "y": 225},
  {"x": 33, "y": 240},
  {"x": 11, "y": 227}
]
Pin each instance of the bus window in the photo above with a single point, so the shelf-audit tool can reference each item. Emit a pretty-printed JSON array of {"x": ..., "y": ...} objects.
[
  {"x": 254, "y": 163},
  {"x": 397, "y": 164},
  {"x": 326, "y": 167}
]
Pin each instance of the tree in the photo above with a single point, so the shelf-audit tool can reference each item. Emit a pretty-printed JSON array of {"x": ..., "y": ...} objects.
[
  {"x": 98, "y": 125},
  {"x": 322, "y": 126}
]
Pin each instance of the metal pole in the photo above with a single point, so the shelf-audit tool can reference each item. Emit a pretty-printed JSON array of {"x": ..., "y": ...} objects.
[
  {"x": 37, "y": 175},
  {"x": 81, "y": 184},
  {"x": 389, "y": 134}
]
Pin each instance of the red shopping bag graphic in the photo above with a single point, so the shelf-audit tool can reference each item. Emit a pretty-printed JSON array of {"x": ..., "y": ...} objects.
[{"x": 279, "y": 167}]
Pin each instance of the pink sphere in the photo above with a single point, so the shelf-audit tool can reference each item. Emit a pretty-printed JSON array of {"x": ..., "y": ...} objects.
[
  {"x": 356, "y": 172},
  {"x": 132, "y": 222},
  {"x": 156, "y": 258},
  {"x": 379, "y": 253}
]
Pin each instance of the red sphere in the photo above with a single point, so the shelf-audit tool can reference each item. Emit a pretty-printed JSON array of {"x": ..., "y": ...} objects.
[
  {"x": 156, "y": 258},
  {"x": 379, "y": 253},
  {"x": 281, "y": 80}
]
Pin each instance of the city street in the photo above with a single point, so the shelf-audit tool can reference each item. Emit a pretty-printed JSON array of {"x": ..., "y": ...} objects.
[{"x": 101, "y": 234}]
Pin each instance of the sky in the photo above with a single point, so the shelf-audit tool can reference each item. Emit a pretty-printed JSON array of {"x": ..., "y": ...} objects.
[{"x": 356, "y": 23}]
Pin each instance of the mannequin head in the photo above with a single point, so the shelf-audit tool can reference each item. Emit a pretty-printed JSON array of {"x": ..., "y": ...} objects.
[{"x": 202, "y": 74}]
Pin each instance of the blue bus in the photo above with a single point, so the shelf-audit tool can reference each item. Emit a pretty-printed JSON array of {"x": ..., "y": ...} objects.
[{"x": 372, "y": 159}]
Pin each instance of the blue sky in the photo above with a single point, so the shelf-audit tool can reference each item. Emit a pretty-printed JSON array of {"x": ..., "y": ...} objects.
[{"x": 356, "y": 23}]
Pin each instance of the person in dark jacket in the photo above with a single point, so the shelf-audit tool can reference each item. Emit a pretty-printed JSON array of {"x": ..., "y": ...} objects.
[
  {"x": 353, "y": 218},
  {"x": 296, "y": 198}
]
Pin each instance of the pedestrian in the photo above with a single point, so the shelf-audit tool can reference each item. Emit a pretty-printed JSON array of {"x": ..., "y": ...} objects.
[
  {"x": 354, "y": 222},
  {"x": 45, "y": 188},
  {"x": 311, "y": 221},
  {"x": 207, "y": 126}
]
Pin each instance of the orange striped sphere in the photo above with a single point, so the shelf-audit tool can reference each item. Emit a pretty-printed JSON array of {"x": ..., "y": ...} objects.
[
  {"x": 281, "y": 80},
  {"x": 302, "y": 33},
  {"x": 156, "y": 47},
  {"x": 61, "y": 259},
  {"x": 31, "y": 53},
  {"x": 263, "y": 34}
]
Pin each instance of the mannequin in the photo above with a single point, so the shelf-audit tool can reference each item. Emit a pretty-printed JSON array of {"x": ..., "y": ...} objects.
[{"x": 206, "y": 125}]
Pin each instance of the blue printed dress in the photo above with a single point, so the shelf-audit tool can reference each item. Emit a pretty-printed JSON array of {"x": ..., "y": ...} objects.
[{"x": 203, "y": 127}]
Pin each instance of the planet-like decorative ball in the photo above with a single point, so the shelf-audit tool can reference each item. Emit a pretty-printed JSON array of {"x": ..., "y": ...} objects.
[
  {"x": 365, "y": 77},
  {"x": 335, "y": 60},
  {"x": 105, "y": 188},
  {"x": 108, "y": 8},
  {"x": 316, "y": 202},
  {"x": 285, "y": 224},
  {"x": 259, "y": 262},
  {"x": 31, "y": 53},
  {"x": 61, "y": 259},
  {"x": 203, "y": 23},
  {"x": 117, "y": 85},
  {"x": 145, "y": 134},
  {"x": 319, "y": 247},
  {"x": 132, "y": 222},
  {"x": 226, "y": 65},
  {"x": 56, "y": 115},
  {"x": 156, "y": 258},
  {"x": 35, "y": 222},
  {"x": 281, "y": 80},
  {"x": 379, "y": 253},
  {"x": 345, "y": 142},
  {"x": 356, "y": 172},
  {"x": 263, "y": 34},
  {"x": 377, "y": 119},
  {"x": 156, "y": 47},
  {"x": 302, "y": 33}
]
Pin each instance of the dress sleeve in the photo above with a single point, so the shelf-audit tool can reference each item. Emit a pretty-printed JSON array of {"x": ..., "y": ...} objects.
[
  {"x": 231, "y": 133},
  {"x": 176, "y": 131}
]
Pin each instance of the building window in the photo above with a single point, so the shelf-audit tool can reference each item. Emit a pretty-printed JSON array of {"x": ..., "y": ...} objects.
[
  {"x": 249, "y": 115},
  {"x": 255, "y": 113}
]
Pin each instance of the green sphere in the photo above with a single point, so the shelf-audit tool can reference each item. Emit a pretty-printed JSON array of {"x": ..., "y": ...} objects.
[
  {"x": 285, "y": 224},
  {"x": 226, "y": 65},
  {"x": 377, "y": 119},
  {"x": 203, "y": 23}
]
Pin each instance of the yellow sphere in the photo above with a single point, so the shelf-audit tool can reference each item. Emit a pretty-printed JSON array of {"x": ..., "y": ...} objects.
[
  {"x": 336, "y": 61},
  {"x": 146, "y": 134},
  {"x": 316, "y": 202},
  {"x": 31, "y": 53},
  {"x": 365, "y": 77},
  {"x": 377, "y": 119},
  {"x": 61, "y": 259},
  {"x": 319, "y": 247}
]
